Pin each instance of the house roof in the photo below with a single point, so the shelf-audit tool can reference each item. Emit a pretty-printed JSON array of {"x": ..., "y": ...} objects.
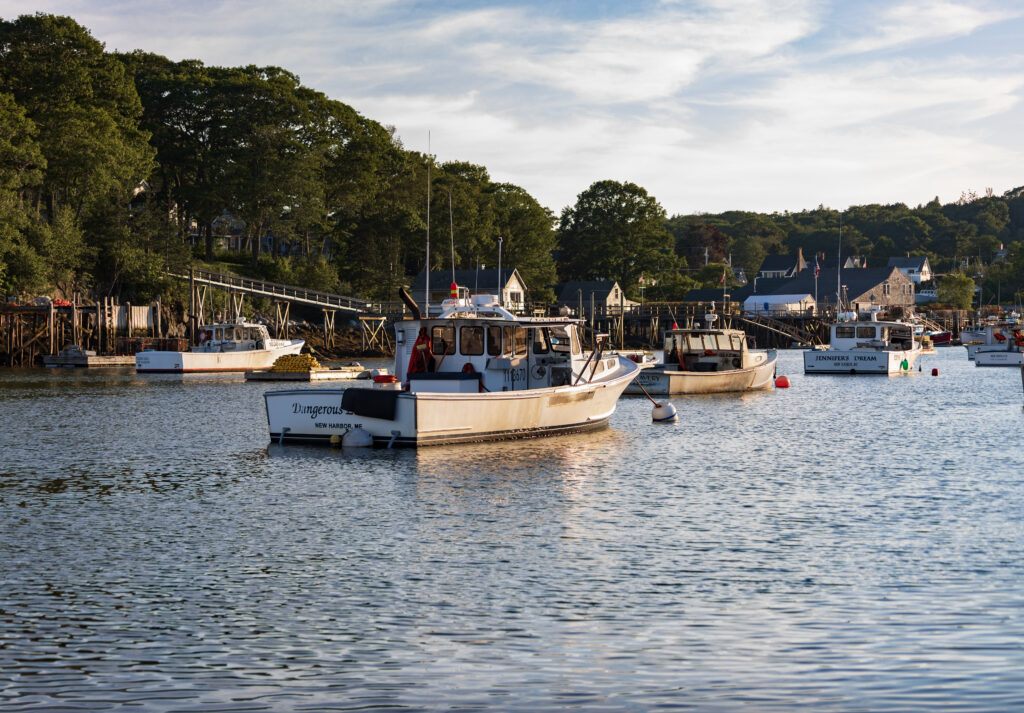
[
  {"x": 475, "y": 280},
  {"x": 857, "y": 281},
  {"x": 903, "y": 263},
  {"x": 569, "y": 292},
  {"x": 778, "y": 263}
]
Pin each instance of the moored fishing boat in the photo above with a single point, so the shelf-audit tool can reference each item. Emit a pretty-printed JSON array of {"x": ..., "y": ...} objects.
[
  {"x": 864, "y": 347},
  {"x": 991, "y": 336},
  {"x": 707, "y": 361},
  {"x": 475, "y": 372},
  {"x": 1009, "y": 352},
  {"x": 235, "y": 346}
]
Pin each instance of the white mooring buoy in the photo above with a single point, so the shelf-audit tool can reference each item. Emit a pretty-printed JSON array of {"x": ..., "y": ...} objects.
[
  {"x": 357, "y": 438},
  {"x": 664, "y": 413}
]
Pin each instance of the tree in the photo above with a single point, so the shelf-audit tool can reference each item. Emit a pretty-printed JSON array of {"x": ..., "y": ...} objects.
[
  {"x": 527, "y": 230},
  {"x": 21, "y": 168},
  {"x": 956, "y": 289},
  {"x": 274, "y": 159},
  {"x": 615, "y": 231},
  {"x": 85, "y": 107}
]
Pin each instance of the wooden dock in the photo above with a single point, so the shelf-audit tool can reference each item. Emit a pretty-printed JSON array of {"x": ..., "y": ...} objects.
[
  {"x": 321, "y": 374},
  {"x": 87, "y": 361}
]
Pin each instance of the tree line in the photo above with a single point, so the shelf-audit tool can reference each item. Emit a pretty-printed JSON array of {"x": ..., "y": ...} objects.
[{"x": 114, "y": 166}]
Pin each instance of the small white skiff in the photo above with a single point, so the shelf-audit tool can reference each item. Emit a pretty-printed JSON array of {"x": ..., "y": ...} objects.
[
  {"x": 474, "y": 373},
  {"x": 222, "y": 347}
]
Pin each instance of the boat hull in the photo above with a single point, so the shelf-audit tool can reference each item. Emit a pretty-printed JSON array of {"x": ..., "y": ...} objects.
[
  {"x": 153, "y": 362},
  {"x": 415, "y": 419},
  {"x": 658, "y": 380},
  {"x": 1000, "y": 357},
  {"x": 855, "y": 361}
]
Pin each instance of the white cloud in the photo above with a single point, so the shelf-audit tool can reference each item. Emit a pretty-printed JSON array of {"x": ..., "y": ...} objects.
[
  {"x": 709, "y": 104},
  {"x": 924, "y": 20}
]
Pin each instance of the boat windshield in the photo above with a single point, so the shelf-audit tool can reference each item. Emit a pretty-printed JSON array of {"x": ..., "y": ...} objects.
[{"x": 559, "y": 339}]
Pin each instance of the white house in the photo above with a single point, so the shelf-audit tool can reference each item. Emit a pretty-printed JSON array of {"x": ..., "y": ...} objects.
[{"x": 916, "y": 268}]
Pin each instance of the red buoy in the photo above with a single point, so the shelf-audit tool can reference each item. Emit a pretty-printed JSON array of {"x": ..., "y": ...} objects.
[
  {"x": 935, "y": 372},
  {"x": 454, "y": 291},
  {"x": 782, "y": 382}
]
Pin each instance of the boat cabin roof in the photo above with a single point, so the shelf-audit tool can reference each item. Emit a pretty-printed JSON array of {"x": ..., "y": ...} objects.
[{"x": 704, "y": 331}]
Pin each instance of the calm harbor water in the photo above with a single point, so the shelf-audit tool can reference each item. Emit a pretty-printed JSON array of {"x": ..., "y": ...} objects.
[{"x": 848, "y": 544}]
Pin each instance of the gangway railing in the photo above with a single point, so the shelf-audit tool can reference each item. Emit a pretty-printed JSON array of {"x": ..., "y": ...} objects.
[{"x": 277, "y": 291}]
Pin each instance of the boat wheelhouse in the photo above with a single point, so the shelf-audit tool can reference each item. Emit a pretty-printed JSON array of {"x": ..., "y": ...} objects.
[
  {"x": 230, "y": 346},
  {"x": 706, "y": 361},
  {"x": 865, "y": 347},
  {"x": 476, "y": 372}
]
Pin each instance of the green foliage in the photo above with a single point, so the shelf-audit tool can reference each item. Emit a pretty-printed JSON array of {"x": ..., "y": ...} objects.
[
  {"x": 956, "y": 289},
  {"x": 109, "y": 162},
  {"x": 615, "y": 231}
]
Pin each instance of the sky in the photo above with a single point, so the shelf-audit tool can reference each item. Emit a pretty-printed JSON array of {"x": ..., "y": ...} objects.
[{"x": 709, "y": 105}]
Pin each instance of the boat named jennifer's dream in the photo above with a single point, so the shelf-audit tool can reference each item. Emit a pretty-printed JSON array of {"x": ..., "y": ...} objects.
[
  {"x": 707, "y": 361},
  {"x": 239, "y": 346},
  {"x": 476, "y": 372},
  {"x": 865, "y": 347}
]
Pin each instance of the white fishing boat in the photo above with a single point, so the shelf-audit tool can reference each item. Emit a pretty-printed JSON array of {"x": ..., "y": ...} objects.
[
  {"x": 991, "y": 336},
  {"x": 707, "y": 361},
  {"x": 1009, "y": 352},
  {"x": 475, "y": 372},
  {"x": 864, "y": 346},
  {"x": 239, "y": 346}
]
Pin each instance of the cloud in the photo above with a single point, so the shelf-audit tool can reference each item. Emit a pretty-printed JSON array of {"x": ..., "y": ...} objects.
[{"x": 923, "y": 21}]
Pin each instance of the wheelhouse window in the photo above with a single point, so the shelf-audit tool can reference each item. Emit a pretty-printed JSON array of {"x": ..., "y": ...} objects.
[
  {"x": 540, "y": 341},
  {"x": 506, "y": 347},
  {"x": 737, "y": 342},
  {"x": 865, "y": 332},
  {"x": 471, "y": 341},
  {"x": 494, "y": 341},
  {"x": 520, "y": 341},
  {"x": 442, "y": 340},
  {"x": 844, "y": 332},
  {"x": 559, "y": 338}
]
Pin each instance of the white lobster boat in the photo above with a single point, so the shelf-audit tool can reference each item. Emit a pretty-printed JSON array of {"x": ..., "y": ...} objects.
[
  {"x": 707, "y": 361},
  {"x": 865, "y": 347},
  {"x": 474, "y": 373},
  {"x": 240, "y": 346},
  {"x": 994, "y": 336},
  {"x": 1010, "y": 353}
]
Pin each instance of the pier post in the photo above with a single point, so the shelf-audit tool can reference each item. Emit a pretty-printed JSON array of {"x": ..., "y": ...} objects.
[{"x": 329, "y": 328}]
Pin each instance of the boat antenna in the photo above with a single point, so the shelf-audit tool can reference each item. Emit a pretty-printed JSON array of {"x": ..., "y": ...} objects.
[
  {"x": 426, "y": 291},
  {"x": 839, "y": 266},
  {"x": 501, "y": 302},
  {"x": 451, "y": 224}
]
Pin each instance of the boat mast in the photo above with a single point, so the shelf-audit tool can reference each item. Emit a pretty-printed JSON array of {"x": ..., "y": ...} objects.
[
  {"x": 451, "y": 225},
  {"x": 426, "y": 293},
  {"x": 501, "y": 302},
  {"x": 839, "y": 267}
]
